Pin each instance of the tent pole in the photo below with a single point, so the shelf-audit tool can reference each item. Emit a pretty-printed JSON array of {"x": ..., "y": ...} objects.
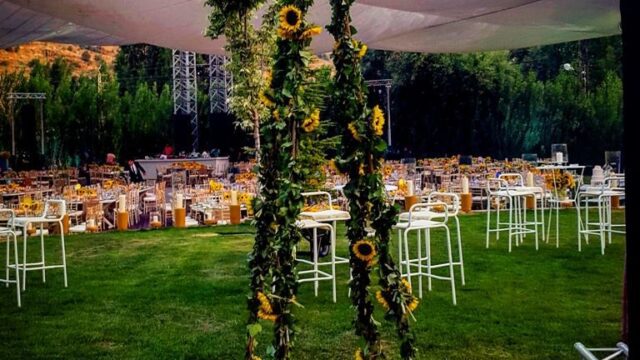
[
  {"x": 41, "y": 127},
  {"x": 388, "y": 86}
]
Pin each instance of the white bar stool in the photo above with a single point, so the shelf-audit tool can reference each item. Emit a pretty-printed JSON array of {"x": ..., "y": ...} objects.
[
  {"x": 453, "y": 208},
  {"x": 317, "y": 274},
  {"x": 10, "y": 237},
  {"x": 47, "y": 218},
  {"x": 498, "y": 190},
  {"x": 600, "y": 197},
  {"x": 417, "y": 262},
  {"x": 520, "y": 193}
]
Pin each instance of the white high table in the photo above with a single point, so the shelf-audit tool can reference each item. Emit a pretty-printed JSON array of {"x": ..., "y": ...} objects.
[
  {"x": 557, "y": 202},
  {"x": 151, "y": 166}
]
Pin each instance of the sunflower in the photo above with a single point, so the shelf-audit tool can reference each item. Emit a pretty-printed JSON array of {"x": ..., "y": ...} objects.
[
  {"x": 254, "y": 357},
  {"x": 362, "y": 51},
  {"x": 265, "y": 305},
  {"x": 276, "y": 115},
  {"x": 402, "y": 185},
  {"x": 312, "y": 31},
  {"x": 413, "y": 305},
  {"x": 377, "y": 120},
  {"x": 406, "y": 284},
  {"x": 312, "y": 122},
  {"x": 354, "y": 130},
  {"x": 358, "y": 355},
  {"x": 382, "y": 300},
  {"x": 290, "y": 21},
  {"x": 265, "y": 100},
  {"x": 265, "y": 316},
  {"x": 364, "y": 250}
]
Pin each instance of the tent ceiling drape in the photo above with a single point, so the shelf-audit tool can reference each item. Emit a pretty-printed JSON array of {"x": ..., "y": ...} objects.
[{"x": 401, "y": 25}]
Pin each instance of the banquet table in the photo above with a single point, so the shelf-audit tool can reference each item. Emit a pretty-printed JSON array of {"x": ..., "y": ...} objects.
[{"x": 152, "y": 166}]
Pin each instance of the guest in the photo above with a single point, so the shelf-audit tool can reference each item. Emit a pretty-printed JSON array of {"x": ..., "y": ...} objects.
[
  {"x": 168, "y": 150},
  {"x": 84, "y": 176},
  {"x": 205, "y": 154},
  {"x": 136, "y": 171},
  {"x": 194, "y": 154},
  {"x": 111, "y": 159}
]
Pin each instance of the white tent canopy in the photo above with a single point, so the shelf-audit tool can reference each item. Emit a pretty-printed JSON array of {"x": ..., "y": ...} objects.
[{"x": 403, "y": 25}]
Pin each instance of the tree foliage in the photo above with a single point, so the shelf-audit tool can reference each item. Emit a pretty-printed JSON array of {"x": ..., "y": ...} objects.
[{"x": 506, "y": 103}]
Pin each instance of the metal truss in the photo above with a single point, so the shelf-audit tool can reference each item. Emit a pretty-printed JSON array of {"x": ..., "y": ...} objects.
[
  {"x": 220, "y": 82},
  {"x": 185, "y": 90}
]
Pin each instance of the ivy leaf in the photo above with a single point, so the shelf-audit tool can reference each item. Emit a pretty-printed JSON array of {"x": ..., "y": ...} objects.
[{"x": 254, "y": 329}]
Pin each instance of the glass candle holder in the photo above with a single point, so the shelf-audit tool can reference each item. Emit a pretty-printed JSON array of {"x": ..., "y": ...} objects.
[{"x": 559, "y": 153}]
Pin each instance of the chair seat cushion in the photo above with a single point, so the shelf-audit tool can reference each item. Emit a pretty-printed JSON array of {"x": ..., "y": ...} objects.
[{"x": 325, "y": 215}]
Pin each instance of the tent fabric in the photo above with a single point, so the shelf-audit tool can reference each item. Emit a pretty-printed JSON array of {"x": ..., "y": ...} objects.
[{"x": 434, "y": 26}]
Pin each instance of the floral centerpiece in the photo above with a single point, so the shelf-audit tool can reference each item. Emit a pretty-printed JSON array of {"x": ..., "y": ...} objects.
[{"x": 559, "y": 182}]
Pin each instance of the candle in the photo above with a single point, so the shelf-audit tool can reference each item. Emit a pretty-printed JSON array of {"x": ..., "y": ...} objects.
[
  {"x": 530, "y": 181},
  {"x": 178, "y": 204},
  {"x": 234, "y": 197},
  {"x": 155, "y": 219},
  {"x": 410, "y": 188},
  {"x": 465, "y": 185},
  {"x": 91, "y": 223},
  {"x": 122, "y": 203},
  {"x": 559, "y": 156}
]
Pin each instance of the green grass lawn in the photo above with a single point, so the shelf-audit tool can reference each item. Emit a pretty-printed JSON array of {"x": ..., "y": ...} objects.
[{"x": 172, "y": 294}]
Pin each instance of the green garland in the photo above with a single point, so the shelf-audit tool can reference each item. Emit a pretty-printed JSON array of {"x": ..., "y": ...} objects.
[
  {"x": 294, "y": 115},
  {"x": 361, "y": 158}
]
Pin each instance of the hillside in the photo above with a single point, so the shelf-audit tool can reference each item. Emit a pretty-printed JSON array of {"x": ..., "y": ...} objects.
[{"x": 85, "y": 59}]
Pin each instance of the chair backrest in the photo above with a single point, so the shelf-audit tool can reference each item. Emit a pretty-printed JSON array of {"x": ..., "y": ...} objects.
[
  {"x": 451, "y": 199},
  {"x": 435, "y": 206},
  {"x": 512, "y": 179},
  {"x": 319, "y": 193},
  {"x": 55, "y": 209},
  {"x": 6, "y": 219}
]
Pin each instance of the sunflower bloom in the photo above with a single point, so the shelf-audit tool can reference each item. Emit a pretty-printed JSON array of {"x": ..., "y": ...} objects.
[
  {"x": 364, "y": 250},
  {"x": 382, "y": 300},
  {"x": 406, "y": 284},
  {"x": 362, "y": 51},
  {"x": 276, "y": 115},
  {"x": 312, "y": 122},
  {"x": 254, "y": 357},
  {"x": 265, "y": 305},
  {"x": 354, "y": 130},
  {"x": 265, "y": 100},
  {"x": 358, "y": 355},
  {"x": 413, "y": 304},
  {"x": 310, "y": 32},
  {"x": 265, "y": 316},
  {"x": 290, "y": 21},
  {"x": 377, "y": 120}
]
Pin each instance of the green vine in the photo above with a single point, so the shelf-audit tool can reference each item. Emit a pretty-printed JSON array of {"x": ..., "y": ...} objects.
[
  {"x": 294, "y": 116},
  {"x": 361, "y": 157}
]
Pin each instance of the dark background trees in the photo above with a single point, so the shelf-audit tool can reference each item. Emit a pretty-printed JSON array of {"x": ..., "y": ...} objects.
[{"x": 500, "y": 104}]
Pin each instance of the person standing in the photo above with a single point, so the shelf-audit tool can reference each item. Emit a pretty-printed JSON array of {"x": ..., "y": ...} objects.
[{"x": 136, "y": 172}]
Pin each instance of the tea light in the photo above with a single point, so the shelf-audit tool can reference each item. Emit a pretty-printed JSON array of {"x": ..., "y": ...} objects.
[
  {"x": 410, "y": 188},
  {"x": 122, "y": 203},
  {"x": 465, "y": 185},
  {"x": 91, "y": 223},
  {"x": 559, "y": 157},
  {"x": 530, "y": 181},
  {"x": 155, "y": 219},
  {"x": 30, "y": 229}
]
